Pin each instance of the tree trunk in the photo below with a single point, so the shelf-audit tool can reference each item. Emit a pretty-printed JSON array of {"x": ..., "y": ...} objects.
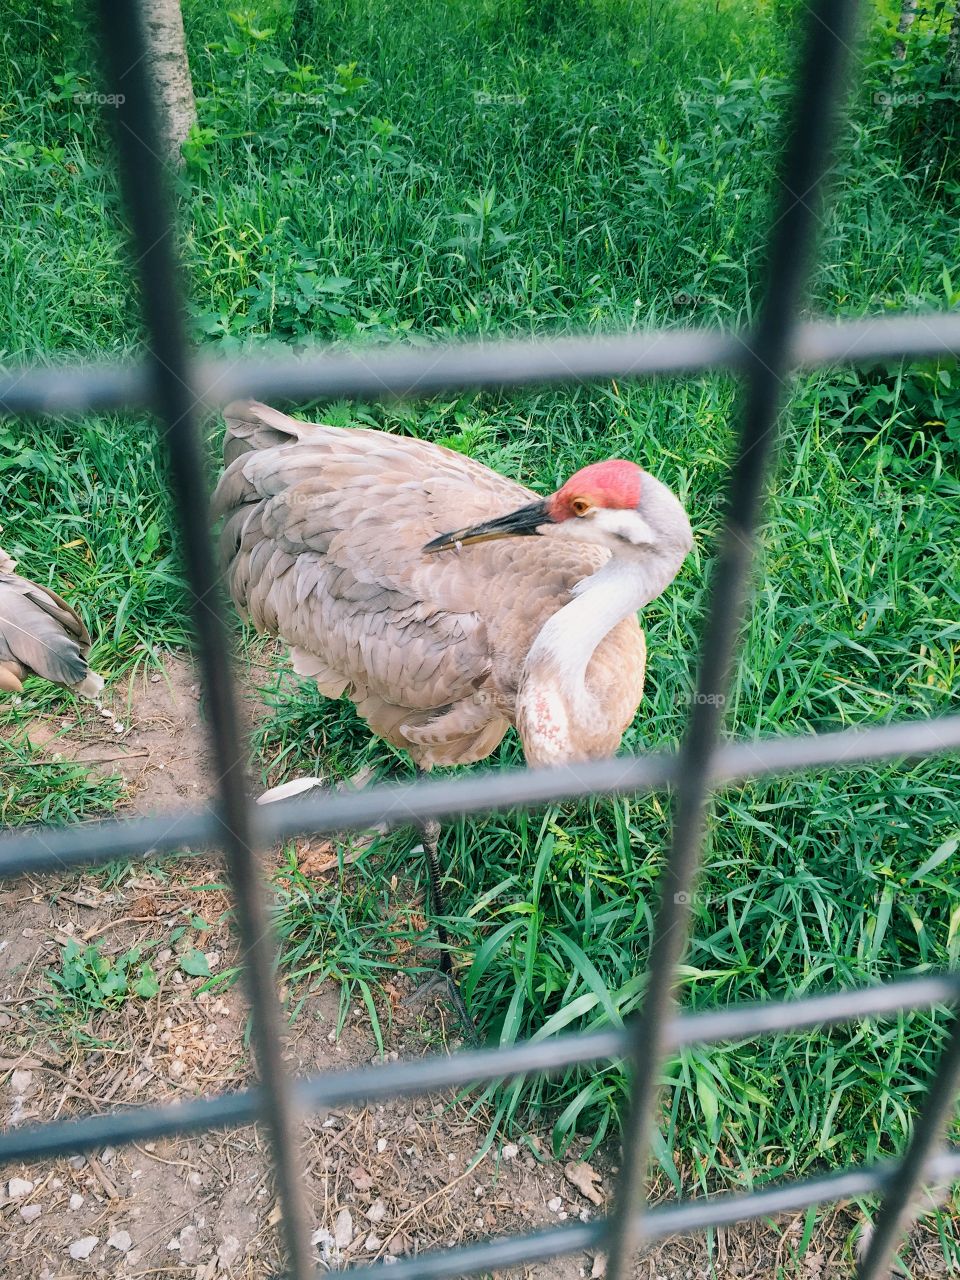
[
  {"x": 170, "y": 70},
  {"x": 953, "y": 49},
  {"x": 908, "y": 11}
]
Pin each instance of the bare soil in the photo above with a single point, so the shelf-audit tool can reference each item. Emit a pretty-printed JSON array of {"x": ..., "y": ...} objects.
[{"x": 383, "y": 1181}]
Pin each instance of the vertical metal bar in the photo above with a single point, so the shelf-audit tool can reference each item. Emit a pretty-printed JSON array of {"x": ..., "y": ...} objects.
[
  {"x": 148, "y": 201},
  {"x": 900, "y": 1205},
  {"x": 816, "y": 99}
]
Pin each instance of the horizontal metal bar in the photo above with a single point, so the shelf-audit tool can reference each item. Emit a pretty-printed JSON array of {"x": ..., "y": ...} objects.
[
  {"x": 36, "y": 390},
  {"x": 491, "y": 1256},
  {"x": 40, "y": 849},
  {"x": 657, "y": 1223},
  {"x": 398, "y": 370},
  {"x": 134, "y": 1124},
  {"x": 428, "y": 1075},
  {"x": 783, "y": 1017},
  {"x": 313, "y": 1093}
]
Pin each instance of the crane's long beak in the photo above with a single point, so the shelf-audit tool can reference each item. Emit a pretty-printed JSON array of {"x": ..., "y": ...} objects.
[{"x": 516, "y": 524}]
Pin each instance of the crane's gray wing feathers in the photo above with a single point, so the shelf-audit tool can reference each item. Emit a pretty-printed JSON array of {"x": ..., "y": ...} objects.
[
  {"x": 41, "y": 634},
  {"x": 322, "y": 543}
]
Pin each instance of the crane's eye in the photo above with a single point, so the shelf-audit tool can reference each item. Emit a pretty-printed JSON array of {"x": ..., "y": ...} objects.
[{"x": 580, "y": 506}]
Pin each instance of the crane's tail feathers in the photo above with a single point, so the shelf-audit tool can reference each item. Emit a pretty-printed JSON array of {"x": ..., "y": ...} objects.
[
  {"x": 428, "y": 749},
  {"x": 252, "y": 426},
  {"x": 330, "y": 683},
  {"x": 288, "y": 789}
]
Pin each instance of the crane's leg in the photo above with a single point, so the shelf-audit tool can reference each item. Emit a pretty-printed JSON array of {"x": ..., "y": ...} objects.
[{"x": 430, "y": 835}]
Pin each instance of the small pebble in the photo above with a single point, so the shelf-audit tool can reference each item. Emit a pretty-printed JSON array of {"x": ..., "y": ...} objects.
[
  {"x": 343, "y": 1229},
  {"x": 555, "y": 1204},
  {"x": 20, "y": 1081},
  {"x": 30, "y": 1212},
  {"x": 76, "y": 1202},
  {"x": 510, "y": 1152},
  {"x": 107, "y": 1154},
  {"x": 381, "y": 1145},
  {"x": 194, "y": 1179},
  {"x": 372, "y": 1243},
  {"x": 120, "y": 1240},
  {"x": 17, "y": 1188},
  {"x": 83, "y": 1248},
  {"x": 189, "y": 1245},
  {"x": 377, "y": 1211},
  {"x": 228, "y": 1252},
  {"x": 77, "y": 1162}
]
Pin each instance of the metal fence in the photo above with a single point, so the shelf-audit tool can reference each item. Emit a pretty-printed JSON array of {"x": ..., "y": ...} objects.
[{"x": 176, "y": 388}]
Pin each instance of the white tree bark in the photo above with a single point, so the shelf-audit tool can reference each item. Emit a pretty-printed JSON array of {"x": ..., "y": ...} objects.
[
  {"x": 908, "y": 11},
  {"x": 168, "y": 65},
  {"x": 953, "y": 48}
]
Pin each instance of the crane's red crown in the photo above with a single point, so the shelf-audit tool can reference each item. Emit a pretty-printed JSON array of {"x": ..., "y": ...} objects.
[{"x": 614, "y": 484}]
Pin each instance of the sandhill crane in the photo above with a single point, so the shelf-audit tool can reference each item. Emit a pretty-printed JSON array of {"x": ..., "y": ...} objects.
[
  {"x": 339, "y": 541},
  {"x": 40, "y": 634}
]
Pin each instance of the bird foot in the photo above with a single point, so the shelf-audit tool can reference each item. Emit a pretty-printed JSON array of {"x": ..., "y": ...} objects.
[{"x": 441, "y": 978}]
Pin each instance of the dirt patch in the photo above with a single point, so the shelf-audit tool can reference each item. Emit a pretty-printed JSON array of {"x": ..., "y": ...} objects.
[
  {"x": 401, "y": 1173},
  {"x": 383, "y": 1181},
  {"x": 149, "y": 730}
]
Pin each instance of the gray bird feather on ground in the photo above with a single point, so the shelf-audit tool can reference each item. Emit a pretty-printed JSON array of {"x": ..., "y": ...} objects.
[{"x": 42, "y": 635}]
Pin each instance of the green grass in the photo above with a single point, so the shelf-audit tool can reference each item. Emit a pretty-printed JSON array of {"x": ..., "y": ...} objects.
[{"x": 409, "y": 172}]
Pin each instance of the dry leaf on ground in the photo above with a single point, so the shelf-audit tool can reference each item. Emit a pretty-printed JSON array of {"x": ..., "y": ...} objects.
[{"x": 585, "y": 1178}]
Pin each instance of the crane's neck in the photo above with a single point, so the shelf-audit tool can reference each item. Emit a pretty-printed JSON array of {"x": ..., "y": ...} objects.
[{"x": 556, "y": 709}]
